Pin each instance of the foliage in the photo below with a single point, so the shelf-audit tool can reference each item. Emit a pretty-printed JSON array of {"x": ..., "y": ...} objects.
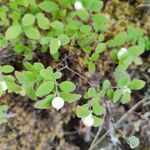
[{"x": 50, "y": 26}]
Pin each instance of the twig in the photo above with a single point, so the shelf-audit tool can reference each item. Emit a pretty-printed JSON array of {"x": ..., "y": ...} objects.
[
  {"x": 119, "y": 121},
  {"x": 68, "y": 68},
  {"x": 143, "y": 5},
  {"x": 62, "y": 68},
  {"x": 96, "y": 137},
  {"x": 80, "y": 76},
  {"x": 97, "y": 134}
]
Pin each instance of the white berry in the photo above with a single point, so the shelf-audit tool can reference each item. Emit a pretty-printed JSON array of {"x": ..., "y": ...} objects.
[
  {"x": 78, "y": 5},
  {"x": 58, "y": 103},
  {"x": 4, "y": 85},
  {"x": 88, "y": 121},
  {"x": 121, "y": 52},
  {"x": 126, "y": 90}
]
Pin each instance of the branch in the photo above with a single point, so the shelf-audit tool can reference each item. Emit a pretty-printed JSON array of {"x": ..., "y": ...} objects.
[
  {"x": 96, "y": 137},
  {"x": 120, "y": 121},
  {"x": 68, "y": 68}
]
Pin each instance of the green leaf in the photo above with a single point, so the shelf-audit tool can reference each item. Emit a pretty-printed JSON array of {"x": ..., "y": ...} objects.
[
  {"x": 135, "y": 50},
  {"x": 42, "y": 21},
  {"x": 136, "y": 84},
  {"x": 19, "y": 48},
  {"x": 94, "y": 56},
  {"x": 28, "y": 66},
  {"x": 134, "y": 33},
  {"x": 47, "y": 74},
  {"x": 138, "y": 61},
  {"x": 56, "y": 56},
  {"x": 26, "y": 77},
  {"x": 13, "y": 32},
  {"x": 44, "y": 40},
  {"x": 30, "y": 92},
  {"x": 49, "y": 6},
  {"x": 13, "y": 87},
  {"x": 64, "y": 39},
  {"x": 99, "y": 22},
  {"x": 21, "y": 77},
  {"x": 113, "y": 54},
  {"x": 57, "y": 25},
  {"x": 101, "y": 38},
  {"x": 110, "y": 94},
  {"x": 91, "y": 92},
  {"x": 85, "y": 29},
  {"x": 126, "y": 98},
  {"x": 133, "y": 142},
  {"x": 82, "y": 14},
  {"x": 67, "y": 86},
  {"x": 91, "y": 67},
  {"x": 106, "y": 84},
  {"x": 97, "y": 108},
  {"x": 28, "y": 20},
  {"x": 7, "y": 69},
  {"x": 119, "y": 39},
  {"x": 3, "y": 42},
  {"x": 128, "y": 60},
  {"x": 54, "y": 45},
  {"x": 93, "y": 5},
  {"x": 45, "y": 88},
  {"x": 30, "y": 76},
  {"x": 44, "y": 103},
  {"x": 141, "y": 42},
  {"x": 97, "y": 121},
  {"x": 32, "y": 33},
  {"x": 123, "y": 81},
  {"x": 57, "y": 75},
  {"x": 100, "y": 47},
  {"x": 117, "y": 95},
  {"x": 69, "y": 97},
  {"x": 9, "y": 78},
  {"x": 38, "y": 67},
  {"x": 82, "y": 111},
  {"x": 102, "y": 93}
]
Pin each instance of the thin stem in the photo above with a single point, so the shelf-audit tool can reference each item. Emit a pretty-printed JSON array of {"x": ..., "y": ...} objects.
[
  {"x": 96, "y": 137},
  {"x": 97, "y": 134},
  {"x": 143, "y": 5},
  {"x": 63, "y": 68},
  {"x": 91, "y": 84},
  {"x": 119, "y": 121},
  {"x": 56, "y": 88},
  {"x": 67, "y": 67}
]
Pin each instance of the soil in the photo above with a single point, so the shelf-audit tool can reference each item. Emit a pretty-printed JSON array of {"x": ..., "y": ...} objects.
[{"x": 33, "y": 129}]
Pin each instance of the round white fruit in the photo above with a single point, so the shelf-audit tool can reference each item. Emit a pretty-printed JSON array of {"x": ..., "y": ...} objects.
[
  {"x": 78, "y": 5},
  {"x": 121, "y": 52},
  {"x": 88, "y": 121},
  {"x": 4, "y": 85},
  {"x": 58, "y": 103},
  {"x": 126, "y": 90}
]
